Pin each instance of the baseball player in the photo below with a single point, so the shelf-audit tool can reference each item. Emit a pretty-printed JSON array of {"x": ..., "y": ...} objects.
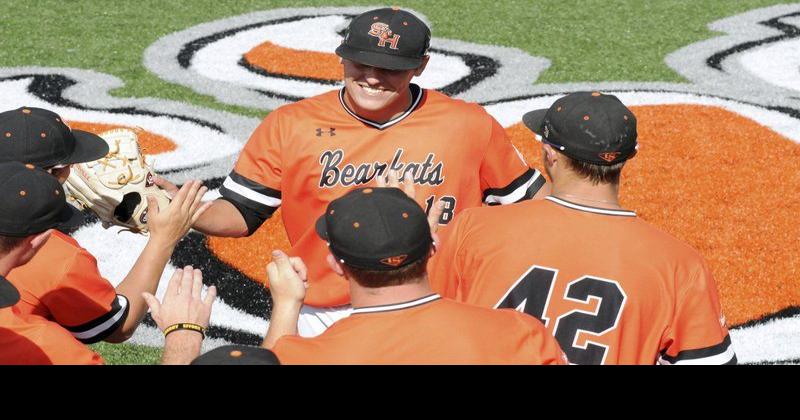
[
  {"x": 305, "y": 154},
  {"x": 380, "y": 241},
  {"x": 33, "y": 204},
  {"x": 62, "y": 282},
  {"x": 611, "y": 288}
]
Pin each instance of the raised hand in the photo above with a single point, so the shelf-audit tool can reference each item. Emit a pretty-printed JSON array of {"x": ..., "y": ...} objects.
[
  {"x": 288, "y": 278},
  {"x": 182, "y": 302},
  {"x": 392, "y": 180},
  {"x": 171, "y": 224}
]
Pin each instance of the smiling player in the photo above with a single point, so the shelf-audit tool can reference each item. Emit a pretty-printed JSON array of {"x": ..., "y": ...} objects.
[{"x": 306, "y": 154}]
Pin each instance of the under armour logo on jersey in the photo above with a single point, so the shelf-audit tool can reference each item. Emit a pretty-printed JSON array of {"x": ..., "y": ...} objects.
[
  {"x": 384, "y": 34},
  {"x": 331, "y": 132}
]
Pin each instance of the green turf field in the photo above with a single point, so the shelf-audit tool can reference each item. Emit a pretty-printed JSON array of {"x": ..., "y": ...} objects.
[{"x": 587, "y": 40}]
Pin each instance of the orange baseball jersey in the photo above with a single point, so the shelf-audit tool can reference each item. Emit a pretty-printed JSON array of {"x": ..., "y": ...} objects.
[
  {"x": 610, "y": 287},
  {"x": 30, "y": 340},
  {"x": 429, "y": 330},
  {"x": 62, "y": 284},
  {"x": 306, "y": 154}
]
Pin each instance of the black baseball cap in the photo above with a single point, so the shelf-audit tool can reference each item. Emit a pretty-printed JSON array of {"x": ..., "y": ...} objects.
[
  {"x": 589, "y": 127},
  {"x": 387, "y": 38},
  {"x": 38, "y": 136},
  {"x": 9, "y": 295},
  {"x": 237, "y": 355},
  {"x": 33, "y": 200},
  {"x": 377, "y": 229}
]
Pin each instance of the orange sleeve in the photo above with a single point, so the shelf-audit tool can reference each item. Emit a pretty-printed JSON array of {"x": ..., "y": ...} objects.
[
  {"x": 35, "y": 341},
  {"x": 84, "y": 302},
  {"x": 539, "y": 343},
  {"x": 697, "y": 334},
  {"x": 72, "y": 353},
  {"x": 260, "y": 159},
  {"x": 254, "y": 185},
  {"x": 505, "y": 176}
]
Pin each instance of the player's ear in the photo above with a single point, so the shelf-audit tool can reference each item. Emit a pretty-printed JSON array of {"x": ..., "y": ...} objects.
[
  {"x": 421, "y": 68},
  {"x": 549, "y": 154},
  {"x": 38, "y": 241},
  {"x": 335, "y": 266}
]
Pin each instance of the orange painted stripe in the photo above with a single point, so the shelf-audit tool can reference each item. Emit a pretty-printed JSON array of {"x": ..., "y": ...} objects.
[
  {"x": 719, "y": 181},
  {"x": 299, "y": 63},
  {"x": 251, "y": 254},
  {"x": 151, "y": 143}
]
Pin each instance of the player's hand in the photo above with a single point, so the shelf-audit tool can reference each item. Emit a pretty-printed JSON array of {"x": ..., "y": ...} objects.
[
  {"x": 392, "y": 180},
  {"x": 167, "y": 186},
  {"x": 171, "y": 224},
  {"x": 182, "y": 302},
  {"x": 288, "y": 278}
]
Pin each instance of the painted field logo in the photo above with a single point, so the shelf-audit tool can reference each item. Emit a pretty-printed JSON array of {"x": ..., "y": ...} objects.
[
  {"x": 381, "y": 31},
  {"x": 267, "y": 59},
  {"x": 685, "y": 180}
]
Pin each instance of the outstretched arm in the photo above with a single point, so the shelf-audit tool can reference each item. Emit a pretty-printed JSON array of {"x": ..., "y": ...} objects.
[
  {"x": 167, "y": 227},
  {"x": 221, "y": 218}
]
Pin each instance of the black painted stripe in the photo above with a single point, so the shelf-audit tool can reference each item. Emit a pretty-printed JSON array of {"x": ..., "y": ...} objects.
[
  {"x": 51, "y": 87},
  {"x": 789, "y": 32},
  {"x": 789, "y": 312},
  {"x": 701, "y": 353},
  {"x": 247, "y": 65},
  {"x": 188, "y": 51},
  {"x": 237, "y": 290},
  {"x": 116, "y": 308}
]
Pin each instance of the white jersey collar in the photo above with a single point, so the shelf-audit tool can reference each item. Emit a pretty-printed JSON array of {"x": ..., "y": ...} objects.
[
  {"x": 416, "y": 97},
  {"x": 396, "y": 306},
  {"x": 597, "y": 210}
]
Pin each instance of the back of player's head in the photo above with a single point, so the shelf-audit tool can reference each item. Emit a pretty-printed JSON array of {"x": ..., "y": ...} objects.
[
  {"x": 380, "y": 236},
  {"x": 595, "y": 133},
  {"x": 33, "y": 201},
  {"x": 40, "y": 137},
  {"x": 387, "y": 38}
]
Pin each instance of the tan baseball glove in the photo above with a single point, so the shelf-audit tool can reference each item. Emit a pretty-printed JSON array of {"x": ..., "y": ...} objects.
[{"x": 115, "y": 188}]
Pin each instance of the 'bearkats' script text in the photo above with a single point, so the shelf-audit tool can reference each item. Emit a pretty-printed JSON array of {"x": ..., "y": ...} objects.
[{"x": 421, "y": 172}]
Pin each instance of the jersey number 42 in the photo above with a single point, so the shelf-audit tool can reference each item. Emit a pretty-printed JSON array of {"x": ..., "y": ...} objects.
[{"x": 532, "y": 294}]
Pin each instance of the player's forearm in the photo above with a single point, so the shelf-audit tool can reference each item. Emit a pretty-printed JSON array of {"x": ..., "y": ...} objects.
[
  {"x": 222, "y": 219},
  {"x": 181, "y": 347},
  {"x": 143, "y": 277},
  {"x": 283, "y": 322}
]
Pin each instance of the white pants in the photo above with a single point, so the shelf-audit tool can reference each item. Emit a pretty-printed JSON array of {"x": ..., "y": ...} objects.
[{"x": 315, "y": 320}]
